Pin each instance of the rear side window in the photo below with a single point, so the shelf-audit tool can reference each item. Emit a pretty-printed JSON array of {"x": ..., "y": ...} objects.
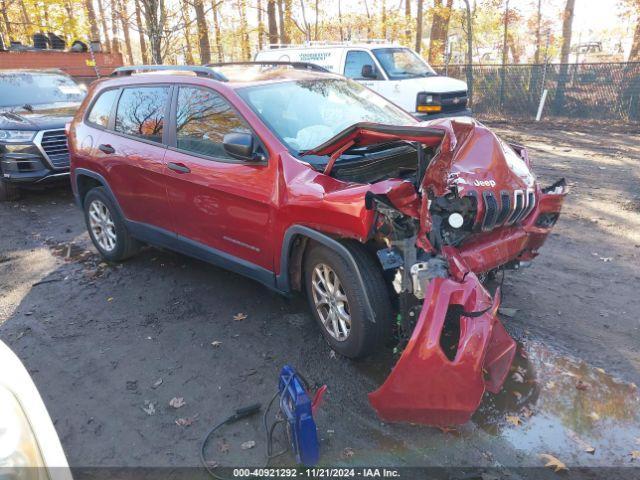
[
  {"x": 99, "y": 114},
  {"x": 141, "y": 111},
  {"x": 203, "y": 118}
]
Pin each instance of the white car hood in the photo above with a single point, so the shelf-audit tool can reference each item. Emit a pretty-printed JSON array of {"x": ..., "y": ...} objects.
[{"x": 433, "y": 84}]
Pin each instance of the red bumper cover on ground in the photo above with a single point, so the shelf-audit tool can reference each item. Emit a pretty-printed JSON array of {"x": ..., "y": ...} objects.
[{"x": 425, "y": 386}]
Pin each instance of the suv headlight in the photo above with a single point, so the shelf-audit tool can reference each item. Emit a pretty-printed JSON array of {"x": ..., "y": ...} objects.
[
  {"x": 17, "y": 136},
  {"x": 18, "y": 446}
]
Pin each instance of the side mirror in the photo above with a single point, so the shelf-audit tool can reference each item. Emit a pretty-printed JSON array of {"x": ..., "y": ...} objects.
[
  {"x": 240, "y": 146},
  {"x": 369, "y": 71}
]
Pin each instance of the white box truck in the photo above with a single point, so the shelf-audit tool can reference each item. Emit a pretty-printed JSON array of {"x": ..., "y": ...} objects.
[{"x": 395, "y": 72}]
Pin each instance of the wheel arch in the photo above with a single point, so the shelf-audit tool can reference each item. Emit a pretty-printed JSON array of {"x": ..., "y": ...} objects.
[
  {"x": 86, "y": 180},
  {"x": 295, "y": 242}
]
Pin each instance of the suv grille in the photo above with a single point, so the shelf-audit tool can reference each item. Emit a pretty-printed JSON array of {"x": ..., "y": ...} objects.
[
  {"x": 506, "y": 209},
  {"x": 54, "y": 145}
]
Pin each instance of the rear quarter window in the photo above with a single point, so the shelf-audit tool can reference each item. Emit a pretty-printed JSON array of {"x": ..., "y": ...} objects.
[
  {"x": 101, "y": 109},
  {"x": 141, "y": 112}
]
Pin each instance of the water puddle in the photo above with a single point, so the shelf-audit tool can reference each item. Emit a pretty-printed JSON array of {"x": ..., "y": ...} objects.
[{"x": 555, "y": 404}]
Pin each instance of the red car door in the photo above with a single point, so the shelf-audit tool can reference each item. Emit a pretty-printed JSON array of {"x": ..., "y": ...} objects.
[
  {"x": 133, "y": 155},
  {"x": 217, "y": 201}
]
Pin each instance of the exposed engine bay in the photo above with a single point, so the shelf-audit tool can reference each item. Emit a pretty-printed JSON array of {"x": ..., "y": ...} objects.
[{"x": 453, "y": 204}]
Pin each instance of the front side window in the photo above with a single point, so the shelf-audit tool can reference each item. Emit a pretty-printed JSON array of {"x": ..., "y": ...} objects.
[
  {"x": 141, "y": 111},
  {"x": 203, "y": 118},
  {"x": 306, "y": 113},
  {"x": 101, "y": 109},
  {"x": 354, "y": 63},
  {"x": 402, "y": 63}
]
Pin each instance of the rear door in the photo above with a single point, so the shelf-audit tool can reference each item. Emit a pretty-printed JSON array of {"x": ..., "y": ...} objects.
[
  {"x": 132, "y": 153},
  {"x": 216, "y": 200}
]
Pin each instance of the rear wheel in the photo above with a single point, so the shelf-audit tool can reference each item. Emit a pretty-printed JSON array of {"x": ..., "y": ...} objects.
[
  {"x": 338, "y": 300},
  {"x": 106, "y": 227},
  {"x": 8, "y": 192}
]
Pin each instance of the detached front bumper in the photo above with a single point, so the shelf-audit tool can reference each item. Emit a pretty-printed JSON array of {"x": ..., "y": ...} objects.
[{"x": 432, "y": 387}]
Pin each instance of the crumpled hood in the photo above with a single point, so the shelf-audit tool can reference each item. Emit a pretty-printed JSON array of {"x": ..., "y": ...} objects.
[{"x": 45, "y": 117}]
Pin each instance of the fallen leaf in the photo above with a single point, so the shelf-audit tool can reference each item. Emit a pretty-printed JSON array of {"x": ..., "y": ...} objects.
[
  {"x": 447, "y": 429},
  {"x": 514, "y": 420},
  {"x": 348, "y": 452},
  {"x": 157, "y": 383},
  {"x": 110, "y": 299},
  {"x": 582, "y": 385},
  {"x": 216, "y": 343},
  {"x": 550, "y": 384},
  {"x": 150, "y": 409},
  {"x": 583, "y": 445},
  {"x": 553, "y": 462},
  {"x": 223, "y": 446},
  {"x": 247, "y": 445},
  {"x": 517, "y": 377},
  {"x": 635, "y": 454},
  {"x": 238, "y": 317},
  {"x": 186, "y": 422},
  {"x": 177, "y": 402}
]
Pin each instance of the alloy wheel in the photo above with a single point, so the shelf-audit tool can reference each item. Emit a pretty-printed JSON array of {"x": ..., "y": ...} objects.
[
  {"x": 331, "y": 302},
  {"x": 102, "y": 226}
]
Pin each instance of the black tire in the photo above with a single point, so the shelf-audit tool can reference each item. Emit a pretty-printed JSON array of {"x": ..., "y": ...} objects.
[
  {"x": 8, "y": 192},
  {"x": 365, "y": 335},
  {"x": 125, "y": 245}
]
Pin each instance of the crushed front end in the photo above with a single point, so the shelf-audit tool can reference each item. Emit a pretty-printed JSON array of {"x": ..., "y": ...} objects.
[{"x": 471, "y": 208}]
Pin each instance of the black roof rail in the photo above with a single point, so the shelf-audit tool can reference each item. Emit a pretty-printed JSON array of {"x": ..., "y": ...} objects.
[
  {"x": 201, "y": 71},
  {"x": 297, "y": 65}
]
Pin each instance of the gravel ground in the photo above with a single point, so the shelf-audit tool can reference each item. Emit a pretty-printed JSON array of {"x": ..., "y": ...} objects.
[{"x": 105, "y": 342}]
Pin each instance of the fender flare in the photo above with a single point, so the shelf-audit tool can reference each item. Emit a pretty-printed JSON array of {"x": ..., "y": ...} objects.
[
  {"x": 282, "y": 280},
  {"x": 78, "y": 172}
]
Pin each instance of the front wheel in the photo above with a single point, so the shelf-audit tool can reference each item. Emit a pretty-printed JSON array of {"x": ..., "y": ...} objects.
[
  {"x": 338, "y": 299},
  {"x": 106, "y": 227}
]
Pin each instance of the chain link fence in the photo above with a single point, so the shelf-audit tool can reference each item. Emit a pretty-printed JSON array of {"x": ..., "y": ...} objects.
[{"x": 594, "y": 91}]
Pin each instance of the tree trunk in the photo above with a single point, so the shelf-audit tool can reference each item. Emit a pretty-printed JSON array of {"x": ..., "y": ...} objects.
[
  {"x": 288, "y": 19},
  {"x": 284, "y": 37},
  {"x": 203, "y": 34},
  {"x": 407, "y": 20},
  {"x": 25, "y": 19},
  {"x": 469, "y": 66},
  {"x": 634, "y": 53},
  {"x": 340, "y": 20},
  {"x": 143, "y": 43},
  {"x": 315, "y": 28},
  {"x": 439, "y": 30},
  {"x": 567, "y": 21},
  {"x": 216, "y": 30},
  {"x": 244, "y": 31},
  {"x": 124, "y": 20},
  {"x": 186, "y": 18},
  {"x": 536, "y": 55},
  {"x": 260, "y": 25},
  {"x": 383, "y": 15},
  {"x": 93, "y": 21},
  {"x": 155, "y": 17},
  {"x": 271, "y": 22},
  {"x": 115, "y": 44},
  {"x": 103, "y": 24},
  {"x": 419, "y": 26},
  {"x": 7, "y": 24}
]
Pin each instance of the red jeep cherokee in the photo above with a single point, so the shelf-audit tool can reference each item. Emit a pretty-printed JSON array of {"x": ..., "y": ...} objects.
[{"x": 303, "y": 180}]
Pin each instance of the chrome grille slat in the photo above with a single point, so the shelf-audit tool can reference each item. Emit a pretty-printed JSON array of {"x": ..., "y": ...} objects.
[
  {"x": 55, "y": 148},
  {"x": 490, "y": 210},
  {"x": 505, "y": 209}
]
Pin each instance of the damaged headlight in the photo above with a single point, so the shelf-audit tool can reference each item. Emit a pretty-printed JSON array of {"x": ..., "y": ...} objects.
[{"x": 18, "y": 446}]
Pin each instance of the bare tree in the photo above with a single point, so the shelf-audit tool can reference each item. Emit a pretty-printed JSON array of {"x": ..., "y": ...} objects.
[
  {"x": 91, "y": 17},
  {"x": 419, "y": 26},
  {"x": 271, "y": 22},
  {"x": 469, "y": 67},
  {"x": 216, "y": 29},
  {"x": 186, "y": 18},
  {"x": 124, "y": 20},
  {"x": 103, "y": 24},
  {"x": 536, "y": 55},
  {"x": 203, "y": 33},
  {"x": 340, "y": 20},
  {"x": 260, "y": 25},
  {"x": 244, "y": 30},
  {"x": 407, "y": 20},
  {"x": 155, "y": 17},
  {"x": 567, "y": 23},
  {"x": 7, "y": 23},
  {"x": 115, "y": 44},
  {"x": 140, "y": 28}
]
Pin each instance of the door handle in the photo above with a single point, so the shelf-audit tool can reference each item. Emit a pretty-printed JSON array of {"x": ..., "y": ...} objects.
[
  {"x": 179, "y": 167},
  {"x": 106, "y": 148}
]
